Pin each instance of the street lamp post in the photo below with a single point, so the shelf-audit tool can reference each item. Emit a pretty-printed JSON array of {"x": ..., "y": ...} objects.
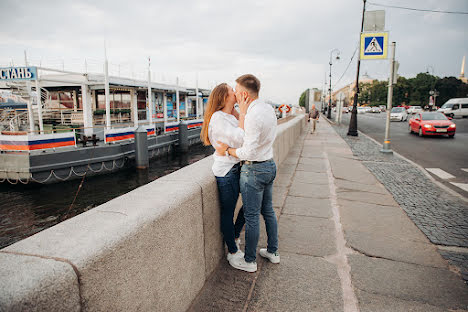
[
  {"x": 352, "y": 130},
  {"x": 330, "y": 86}
]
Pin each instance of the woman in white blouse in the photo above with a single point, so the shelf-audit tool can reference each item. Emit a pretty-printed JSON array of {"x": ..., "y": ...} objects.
[{"x": 221, "y": 123}]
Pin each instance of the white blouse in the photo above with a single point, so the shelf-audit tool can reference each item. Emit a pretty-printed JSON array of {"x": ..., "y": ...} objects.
[{"x": 224, "y": 128}]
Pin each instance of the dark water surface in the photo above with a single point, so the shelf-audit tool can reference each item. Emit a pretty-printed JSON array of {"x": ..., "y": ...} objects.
[{"x": 28, "y": 209}]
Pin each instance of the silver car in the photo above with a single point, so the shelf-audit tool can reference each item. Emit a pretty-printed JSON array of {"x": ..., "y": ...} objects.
[{"x": 398, "y": 114}]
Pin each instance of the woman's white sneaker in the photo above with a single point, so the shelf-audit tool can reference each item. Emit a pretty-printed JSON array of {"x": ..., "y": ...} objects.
[
  {"x": 273, "y": 257},
  {"x": 238, "y": 254},
  {"x": 241, "y": 264}
]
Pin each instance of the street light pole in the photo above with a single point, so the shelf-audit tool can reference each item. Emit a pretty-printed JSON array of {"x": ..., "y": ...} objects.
[
  {"x": 330, "y": 86},
  {"x": 353, "y": 122}
]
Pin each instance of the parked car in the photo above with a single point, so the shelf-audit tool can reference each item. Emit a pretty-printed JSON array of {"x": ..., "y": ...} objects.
[
  {"x": 455, "y": 108},
  {"x": 398, "y": 113},
  {"x": 432, "y": 123},
  {"x": 414, "y": 109},
  {"x": 361, "y": 110},
  {"x": 375, "y": 109},
  {"x": 383, "y": 108},
  {"x": 345, "y": 110}
]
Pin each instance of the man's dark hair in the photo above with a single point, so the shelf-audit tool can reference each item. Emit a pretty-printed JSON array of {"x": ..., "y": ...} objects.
[{"x": 250, "y": 82}]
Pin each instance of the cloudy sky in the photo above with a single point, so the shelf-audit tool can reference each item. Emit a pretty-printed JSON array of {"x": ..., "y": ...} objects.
[{"x": 285, "y": 43}]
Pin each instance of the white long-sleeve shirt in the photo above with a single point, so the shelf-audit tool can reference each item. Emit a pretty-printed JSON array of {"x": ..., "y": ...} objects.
[
  {"x": 260, "y": 132},
  {"x": 224, "y": 128}
]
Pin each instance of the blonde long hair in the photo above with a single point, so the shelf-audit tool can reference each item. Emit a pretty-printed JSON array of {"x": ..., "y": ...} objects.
[{"x": 216, "y": 102}]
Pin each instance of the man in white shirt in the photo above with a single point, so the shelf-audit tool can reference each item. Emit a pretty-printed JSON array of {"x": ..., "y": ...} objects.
[{"x": 257, "y": 173}]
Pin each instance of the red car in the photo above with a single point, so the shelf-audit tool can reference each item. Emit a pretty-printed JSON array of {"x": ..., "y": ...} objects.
[{"x": 432, "y": 123}]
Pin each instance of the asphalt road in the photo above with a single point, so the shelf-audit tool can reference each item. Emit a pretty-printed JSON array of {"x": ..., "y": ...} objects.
[{"x": 450, "y": 155}]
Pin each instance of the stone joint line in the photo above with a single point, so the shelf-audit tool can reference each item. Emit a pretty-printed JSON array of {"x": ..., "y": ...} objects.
[{"x": 350, "y": 302}]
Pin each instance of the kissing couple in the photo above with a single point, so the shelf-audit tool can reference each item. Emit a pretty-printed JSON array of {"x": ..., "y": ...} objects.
[{"x": 243, "y": 163}]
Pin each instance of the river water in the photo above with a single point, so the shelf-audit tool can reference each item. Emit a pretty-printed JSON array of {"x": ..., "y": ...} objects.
[{"x": 28, "y": 209}]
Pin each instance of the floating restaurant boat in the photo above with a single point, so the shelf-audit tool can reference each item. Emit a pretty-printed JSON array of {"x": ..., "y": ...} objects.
[{"x": 76, "y": 124}]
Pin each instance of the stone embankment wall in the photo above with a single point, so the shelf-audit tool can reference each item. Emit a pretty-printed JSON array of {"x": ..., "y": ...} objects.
[{"x": 151, "y": 249}]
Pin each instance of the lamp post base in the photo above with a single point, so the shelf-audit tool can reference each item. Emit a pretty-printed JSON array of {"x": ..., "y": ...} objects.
[{"x": 386, "y": 149}]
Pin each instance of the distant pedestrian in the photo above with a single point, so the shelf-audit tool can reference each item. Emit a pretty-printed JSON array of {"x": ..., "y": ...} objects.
[{"x": 314, "y": 115}]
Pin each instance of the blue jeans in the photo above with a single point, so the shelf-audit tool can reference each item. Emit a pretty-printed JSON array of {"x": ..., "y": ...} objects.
[
  {"x": 256, "y": 185},
  {"x": 228, "y": 188}
]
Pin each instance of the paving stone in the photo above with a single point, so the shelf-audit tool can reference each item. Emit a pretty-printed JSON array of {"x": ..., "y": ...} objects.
[
  {"x": 311, "y": 161},
  {"x": 306, "y": 235},
  {"x": 279, "y": 195},
  {"x": 371, "y": 303},
  {"x": 309, "y": 190},
  {"x": 310, "y": 177},
  {"x": 229, "y": 286},
  {"x": 367, "y": 230},
  {"x": 309, "y": 152},
  {"x": 318, "y": 167},
  {"x": 311, "y": 207},
  {"x": 286, "y": 168},
  {"x": 346, "y": 186},
  {"x": 433, "y": 286},
  {"x": 283, "y": 179},
  {"x": 366, "y": 197},
  {"x": 350, "y": 170},
  {"x": 298, "y": 283}
]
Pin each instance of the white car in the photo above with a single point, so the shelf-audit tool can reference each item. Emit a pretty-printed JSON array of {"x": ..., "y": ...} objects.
[
  {"x": 361, "y": 110},
  {"x": 455, "y": 108},
  {"x": 375, "y": 109},
  {"x": 399, "y": 114},
  {"x": 415, "y": 110}
]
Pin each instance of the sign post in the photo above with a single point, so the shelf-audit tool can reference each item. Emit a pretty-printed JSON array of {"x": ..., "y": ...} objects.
[{"x": 386, "y": 146}]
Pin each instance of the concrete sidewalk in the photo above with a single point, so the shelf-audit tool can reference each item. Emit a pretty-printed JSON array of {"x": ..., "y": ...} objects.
[{"x": 345, "y": 245}]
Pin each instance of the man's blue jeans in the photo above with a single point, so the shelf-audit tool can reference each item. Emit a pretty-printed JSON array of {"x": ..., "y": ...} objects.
[
  {"x": 228, "y": 188},
  {"x": 256, "y": 185}
]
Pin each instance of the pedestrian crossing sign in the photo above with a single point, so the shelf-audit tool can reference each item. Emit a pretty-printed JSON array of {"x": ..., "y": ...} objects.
[{"x": 374, "y": 46}]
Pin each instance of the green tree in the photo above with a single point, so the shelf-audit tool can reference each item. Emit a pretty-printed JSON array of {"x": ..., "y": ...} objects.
[
  {"x": 420, "y": 87},
  {"x": 302, "y": 99},
  {"x": 450, "y": 87},
  {"x": 401, "y": 91},
  {"x": 379, "y": 93}
]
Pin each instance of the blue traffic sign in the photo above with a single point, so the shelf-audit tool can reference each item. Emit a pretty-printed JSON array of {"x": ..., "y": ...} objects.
[{"x": 374, "y": 45}]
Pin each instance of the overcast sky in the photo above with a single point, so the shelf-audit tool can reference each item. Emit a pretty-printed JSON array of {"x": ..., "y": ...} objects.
[{"x": 285, "y": 43}]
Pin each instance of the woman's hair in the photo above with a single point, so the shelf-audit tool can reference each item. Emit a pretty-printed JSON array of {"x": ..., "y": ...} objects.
[{"x": 216, "y": 102}]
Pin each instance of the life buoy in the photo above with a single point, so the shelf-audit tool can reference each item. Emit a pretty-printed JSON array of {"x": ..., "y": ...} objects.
[{"x": 288, "y": 108}]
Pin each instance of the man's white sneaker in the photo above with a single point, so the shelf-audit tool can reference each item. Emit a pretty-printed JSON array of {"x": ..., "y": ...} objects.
[
  {"x": 273, "y": 257},
  {"x": 238, "y": 242},
  {"x": 238, "y": 254},
  {"x": 241, "y": 264}
]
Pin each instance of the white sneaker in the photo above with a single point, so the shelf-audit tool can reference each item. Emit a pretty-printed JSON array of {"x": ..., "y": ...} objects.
[
  {"x": 241, "y": 264},
  {"x": 238, "y": 242},
  {"x": 238, "y": 254},
  {"x": 273, "y": 257}
]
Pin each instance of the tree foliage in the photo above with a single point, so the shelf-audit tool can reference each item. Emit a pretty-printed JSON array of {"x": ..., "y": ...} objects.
[
  {"x": 413, "y": 91},
  {"x": 302, "y": 99}
]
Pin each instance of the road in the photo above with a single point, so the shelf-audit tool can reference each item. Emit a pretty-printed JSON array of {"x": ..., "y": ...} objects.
[{"x": 449, "y": 155}]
